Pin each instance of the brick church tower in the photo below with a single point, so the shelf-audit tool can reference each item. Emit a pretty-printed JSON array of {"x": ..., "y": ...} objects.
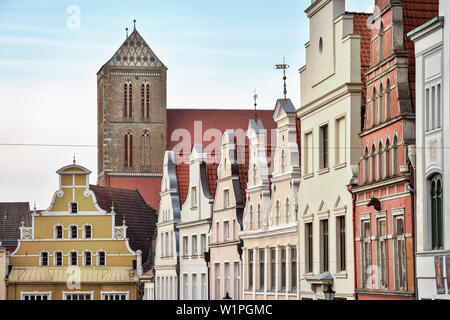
[{"x": 132, "y": 120}]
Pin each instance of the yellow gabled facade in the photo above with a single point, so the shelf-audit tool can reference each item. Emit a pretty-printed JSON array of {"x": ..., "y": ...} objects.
[{"x": 73, "y": 250}]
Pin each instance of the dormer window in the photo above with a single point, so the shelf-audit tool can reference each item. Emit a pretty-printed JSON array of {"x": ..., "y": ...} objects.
[{"x": 74, "y": 207}]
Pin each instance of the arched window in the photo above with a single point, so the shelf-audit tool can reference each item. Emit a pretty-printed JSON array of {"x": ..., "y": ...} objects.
[
  {"x": 73, "y": 232},
  {"x": 251, "y": 217},
  {"x": 436, "y": 214},
  {"x": 145, "y": 100},
  {"x": 87, "y": 257},
  {"x": 283, "y": 161},
  {"x": 254, "y": 174},
  {"x": 374, "y": 106},
  {"x": 388, "y": 100},
  {"x": 395, "y": 163},
  {"x": 366, "y": 166},
  {"x": 380, "y": 161},
  {"x": 128, "y": 154},
  {"x": 381, "y": 105},
  {"x": 73, "y": 258},
  {"x": 388, "y": 159},
  {"x": 287, "y": 211},
  {"x": 87, "y": 232},
  {"x": 373, "y": 165},
  {"x": 58, "y": 232},
  {"x": 277, "y": 208},
  {"x": 381, "y": 40},
  {"x": 101, "y": 258},
  {"x": 128, "y": 100},
  {"x": 259, "y": 216},
  {"x": 44, "y": 258},
  {"x": 145, "y": 143},
  {"x": 58, "y": 259}
]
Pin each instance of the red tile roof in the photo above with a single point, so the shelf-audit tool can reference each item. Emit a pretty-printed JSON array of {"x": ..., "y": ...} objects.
[
  {"x": 415, "y": 14},
  {"x": 182, "y": 170},
  {"x": 139, "y": 218}
]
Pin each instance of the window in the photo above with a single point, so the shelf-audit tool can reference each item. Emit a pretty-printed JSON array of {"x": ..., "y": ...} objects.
[
  {"x": 194, "y": 245},
  {"x": 254, "y": 175},
  {"x": 194, "y": 197},
  {"x": 44, "y": 259},
  {"x": 74, "y": 232},
  {"x": 74, "y": 207},
  {"x": 293, "y": 268},
  {"x": 283, "y": 161},
  {"x": 128, "y": 100},
  {"x": 227, "y": 279},
  {"x": 217, "y": 231},
  {"x": 217, "y": 281},
  {"x": 145, "y": 100},
  {"x": 185, "y": 246},
  {"x": 73, "y": 258},
  {"x": 382, "y": 254},
  {"x": 226, "y": 198},
  {"x": 388, "y": 159},
  {"x": 367, "y": 254},
  {"x": 340, "y": 141},
  {"x": 162, "y": 236},
  {"x": 381, "y": 105},
  {"x": 399, "y": 254},
  {"x": 251, "y": 217},
  {"x": 308, "y": 153},
  {"x": 395, "y": 157},
  {"x": 194, "y": 286},
  {"x": 203, "y": 243},
  {"x": 366, "y": 166},
  {"x": 287, "y": 211},
  {"x": 237, "y": 281},
  {"x": 87, "y": 258},
  {"x": 436, "y": 219},
  {"x": 388, "y": 100},
  {"x": 381, "y": 42},
  {"x": 226, "y": 230},
  {"x": 273, "y": 270},
  {"x": 128, "y": 143},
  {"x": 166, "y": 245},
  {"x": 204, "y": 295},
  {"x": 374, "y": 106},
  {"x": 283, "y": 269},
  {"x": 261, "y": 269},
  {"x": 277, "y": 210},
  {"x": 324, "y": 147},
  {"x": 185, "y": 287},
  {"x": 433, "y": 106},
  {"x": 374, "y": 165},
  {"x": 145, "y": 146},
  {"x": 78, "y": 296},
  {"x": 101, "y": 258},
  {"x": 309, "y": 247},
  {"x": 324, "y": 240},
  {"x": 341, "y": 244},
  {"x": 115, "y": 295},
  {"x": 87, "y": 232},
  {"x": 35, "y": 296},
  {"x": 380, "y": 161},
  {"x": 250, "y": 269},
  {"x": 59, "y": 232},
  {"x": 58, "y": 259},
  {"x": 259, "y": 216}
]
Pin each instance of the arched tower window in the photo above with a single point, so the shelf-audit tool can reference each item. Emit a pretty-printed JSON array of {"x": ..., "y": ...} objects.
[
  {"x": 145, "y": 100},
  {"x": 145, "y": 143},
  {"x": 366, "y": 166},
  {"x": 128, "y": 100},
  {"x": 254, "y": 174},
  {"x": 374, "y": 167},
  {"x": 251, "y": 217},
  {"x": 381, "y": 105},
  {"x": 388, "y": 100},
  {"x": 277, "y": 208},
  {"x": 128, "y": 151},
  {"x": 436, "y": 214},
  {"x": 380, "y": 161},
  {"x": 381, "y": 40},
  {"x": 395, "y": 163},
  {"x": 259, "y": 216},
  {"x": 283, "y": 161},
  {"x": 374, "y": 106},
  {"x": 287, "y": 211},
  {"x": 388, "y": 159}
]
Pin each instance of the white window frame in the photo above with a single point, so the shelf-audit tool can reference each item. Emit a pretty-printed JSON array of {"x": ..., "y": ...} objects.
[
  {"x": 98, "y": 258},
  {"x": 84, "y": 258},
  {"x": 36, "y": 293},
  {"x": 103, "y": 294},
  {"x": 55, "y": 231},
  {"x": 66, "y": 293},
  {"x": 70, "y": 258},
  {"x": 55, "y": 258},
  {"x": 70, "y": 231},
  {"x": 41, "y": 260},
  {"x": 84, "y": 230}
]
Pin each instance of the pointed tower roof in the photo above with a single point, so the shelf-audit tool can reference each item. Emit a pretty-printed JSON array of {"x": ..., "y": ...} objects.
[{"x": 134, "y": 52}]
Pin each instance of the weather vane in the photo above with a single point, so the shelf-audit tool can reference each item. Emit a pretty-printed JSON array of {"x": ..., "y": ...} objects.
[
  {"x": 283, "y": 67},
  {"x": 126, "y": 29},
  {"x": 134, "y": 21},
  {"x": 255, "y": 97}
]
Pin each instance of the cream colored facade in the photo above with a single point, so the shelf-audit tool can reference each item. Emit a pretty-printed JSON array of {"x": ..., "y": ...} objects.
[
  {"x": 330, "y": 123},
  {"x": 3, "y": 271},
  {"x": 167, "y": 243},
  {"x": 194, "y": 229},
  {"x": 271, "y": 240},
  {"x": 225, "y": 266},
  {"x": 73, "y": 250}
]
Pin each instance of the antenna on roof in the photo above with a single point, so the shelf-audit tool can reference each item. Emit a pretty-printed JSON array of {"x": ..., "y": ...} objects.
[
  {"x": 283, "y": 67},
  {"x": 134, "y": 21},
  {"x": 126, "y": 30},
  {"x": 255, "y": 97}
]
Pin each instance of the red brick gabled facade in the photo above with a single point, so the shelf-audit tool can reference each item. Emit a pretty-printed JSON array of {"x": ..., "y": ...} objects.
[{"x": 384, "y": 205}]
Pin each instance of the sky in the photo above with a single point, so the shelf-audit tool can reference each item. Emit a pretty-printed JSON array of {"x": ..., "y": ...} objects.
[{"x": 217, "y": 53}]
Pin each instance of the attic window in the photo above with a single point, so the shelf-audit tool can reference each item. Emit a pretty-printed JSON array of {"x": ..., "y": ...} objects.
[
  {"x": 74, "y": 207},
  {"x": 320, "y": 45}
]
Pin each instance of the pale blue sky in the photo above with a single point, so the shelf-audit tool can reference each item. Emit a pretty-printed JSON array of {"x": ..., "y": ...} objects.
[{"x": 217, "y": 52}]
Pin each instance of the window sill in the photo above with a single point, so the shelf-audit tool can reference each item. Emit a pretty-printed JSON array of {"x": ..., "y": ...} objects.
[
  {"x": 323, "y": 171},
  {"x": 340, "y": 166},
  {"x": 341, "y": 275},
  {"x": 308, "y": 176}
]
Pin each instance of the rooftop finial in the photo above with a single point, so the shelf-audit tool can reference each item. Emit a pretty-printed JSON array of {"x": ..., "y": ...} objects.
[
  {"x": 74, "y": 159},
  {"x": 112, "y": 207},
  {"x": 255, "y": 97},
  {"x": 126, "y": 30},
  {"x": 34, "y": 206},
  {"x": 134, "y": 21},
  {"x": 283, "y": 67}
]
